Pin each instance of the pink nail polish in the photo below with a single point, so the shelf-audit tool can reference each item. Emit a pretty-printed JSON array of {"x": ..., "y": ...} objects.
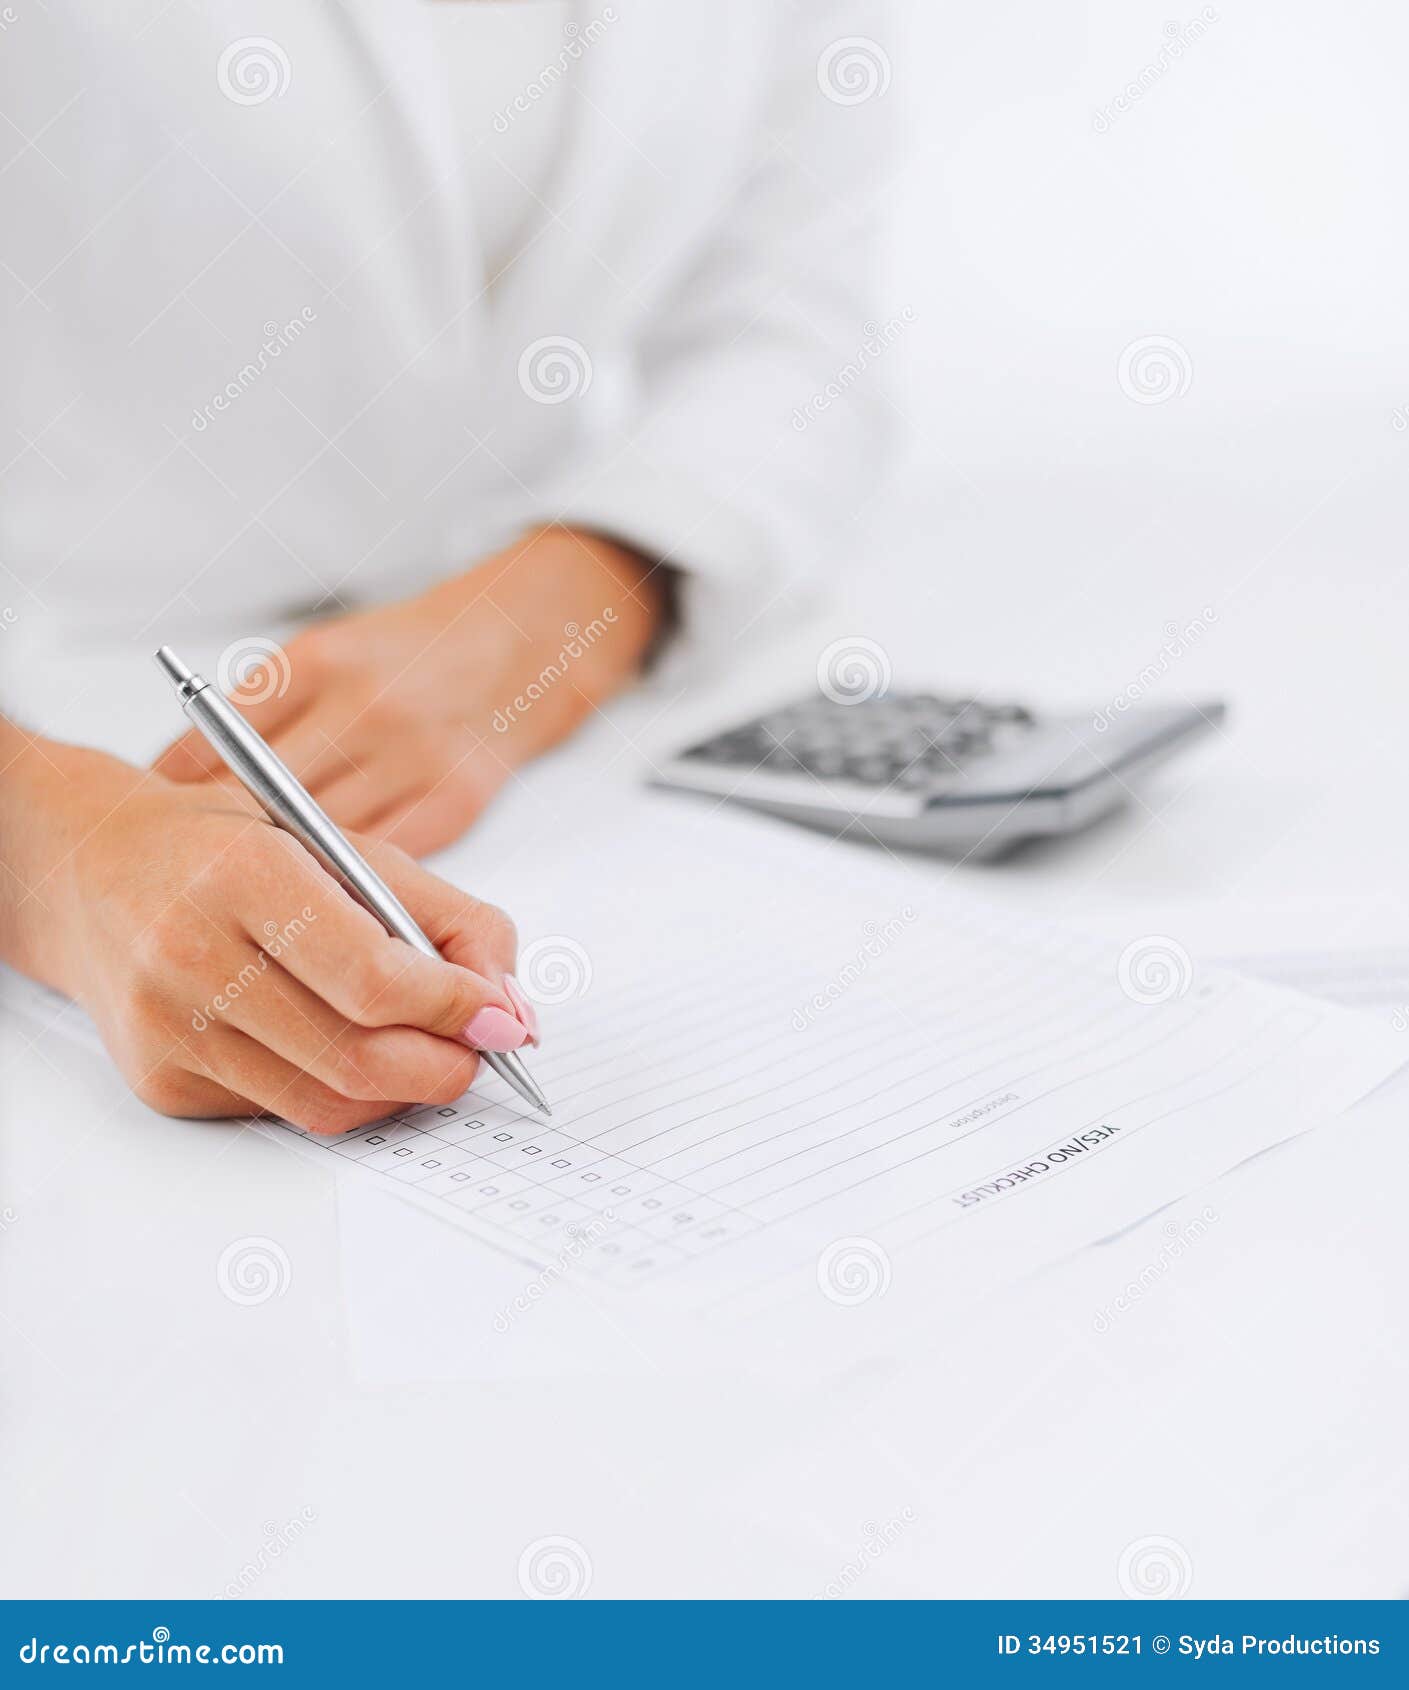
[
  {"x": 522, "y": 1007},
  {"x": 495, "y": 1029}
]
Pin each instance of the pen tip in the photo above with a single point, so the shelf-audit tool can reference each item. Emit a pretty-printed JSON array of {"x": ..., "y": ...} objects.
[{"x": 546, "y": 1110}]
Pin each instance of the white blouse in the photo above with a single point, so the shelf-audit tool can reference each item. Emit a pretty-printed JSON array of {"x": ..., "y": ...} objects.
[
  {"x": 314, "y": 318},
  {"x": 509, "y": 86}
]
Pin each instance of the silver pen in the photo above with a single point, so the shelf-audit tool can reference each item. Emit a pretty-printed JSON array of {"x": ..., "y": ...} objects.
[{"x": 289, "y": 806}]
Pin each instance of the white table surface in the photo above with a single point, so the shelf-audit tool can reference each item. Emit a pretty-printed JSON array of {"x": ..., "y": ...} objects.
[{"x": 1248, "y": 1407}]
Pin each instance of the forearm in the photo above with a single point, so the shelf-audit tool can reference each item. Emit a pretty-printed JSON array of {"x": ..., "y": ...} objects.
[{"x": 51, "y": 797}]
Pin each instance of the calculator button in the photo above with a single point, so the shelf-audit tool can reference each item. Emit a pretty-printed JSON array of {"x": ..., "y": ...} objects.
[
  {"x": 911, "y": 740},
  {"x": 872, "y": 770}
]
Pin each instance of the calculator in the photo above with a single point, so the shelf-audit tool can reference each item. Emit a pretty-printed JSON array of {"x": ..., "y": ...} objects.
[{"x": 965, "y": 777}]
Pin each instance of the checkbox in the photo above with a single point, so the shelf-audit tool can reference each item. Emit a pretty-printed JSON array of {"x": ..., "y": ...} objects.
[
  {"x": 376, "y": 1139},
  {"x": 533, "y": 1150},
  {"x": 562, "y": 1162},
  {"x": 591, "y": 1176},
  {"x": 518, "y": 1203},
  {"x": 430, "y": 1164},
  {"x": 402, "y": 1150},
  {"x": 650, "y": 1202},
  {"x": 489, "y": 1191},
  {"x": 461, "y": 1175}
]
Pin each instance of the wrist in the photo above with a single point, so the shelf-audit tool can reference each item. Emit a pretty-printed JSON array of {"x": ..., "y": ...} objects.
[
  {"x": 635, "y": 588},
  {"x": 581, "y": 612}
]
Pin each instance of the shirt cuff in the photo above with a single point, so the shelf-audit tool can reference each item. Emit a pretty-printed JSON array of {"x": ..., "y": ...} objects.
[{"x": 734, "y": 573}]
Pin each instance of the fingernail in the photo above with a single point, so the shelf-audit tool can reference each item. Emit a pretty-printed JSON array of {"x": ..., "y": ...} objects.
[
  {"x": 495, "y": 1029},
  {"x": 522, "y": 1008}
]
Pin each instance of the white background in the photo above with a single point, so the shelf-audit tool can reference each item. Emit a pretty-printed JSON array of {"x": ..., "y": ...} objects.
[{"x": 1249, "y": 208}]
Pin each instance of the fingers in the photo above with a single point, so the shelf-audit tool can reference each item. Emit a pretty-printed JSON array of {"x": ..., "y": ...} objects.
[
  {"x": 192, "y": 757},
  {"x": 353, "y": 796},
  {"x": 188, "y": 1096},
  {"x": 422, "y": 824},
  {"x": 386, "y": 1065},
  {"x": 246, "y": 1069},
  {"x": 466, "y": 931},
  {"x": 230, "y": 1074},
  {"x": 315, "y": 758},
  {"x": 345, "y": 956},
  {"x": 186, "y": 759},
  {"x": 418, "y": 807},
  {"x": 270, "y": 697}
]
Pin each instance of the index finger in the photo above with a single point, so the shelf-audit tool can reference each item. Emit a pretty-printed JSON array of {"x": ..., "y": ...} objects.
[
  {"x": 464, "y": 929},
  {"x": 299, "y": 915}
]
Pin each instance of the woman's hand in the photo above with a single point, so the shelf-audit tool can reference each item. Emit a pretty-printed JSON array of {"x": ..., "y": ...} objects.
[
  {"x": 229, "y": 974},
  {"x": 405, "y": 721}
]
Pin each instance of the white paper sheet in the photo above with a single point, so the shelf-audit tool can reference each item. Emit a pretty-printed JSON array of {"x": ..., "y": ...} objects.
[
  {"x": 1377, "y": 978},
  {"x": 782, "y": 1063},
  {"x": 787, "y": 1071}
]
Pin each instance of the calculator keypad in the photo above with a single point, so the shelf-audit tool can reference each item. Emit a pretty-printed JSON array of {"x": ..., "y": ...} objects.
[{"x": 914, "y": 741}]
